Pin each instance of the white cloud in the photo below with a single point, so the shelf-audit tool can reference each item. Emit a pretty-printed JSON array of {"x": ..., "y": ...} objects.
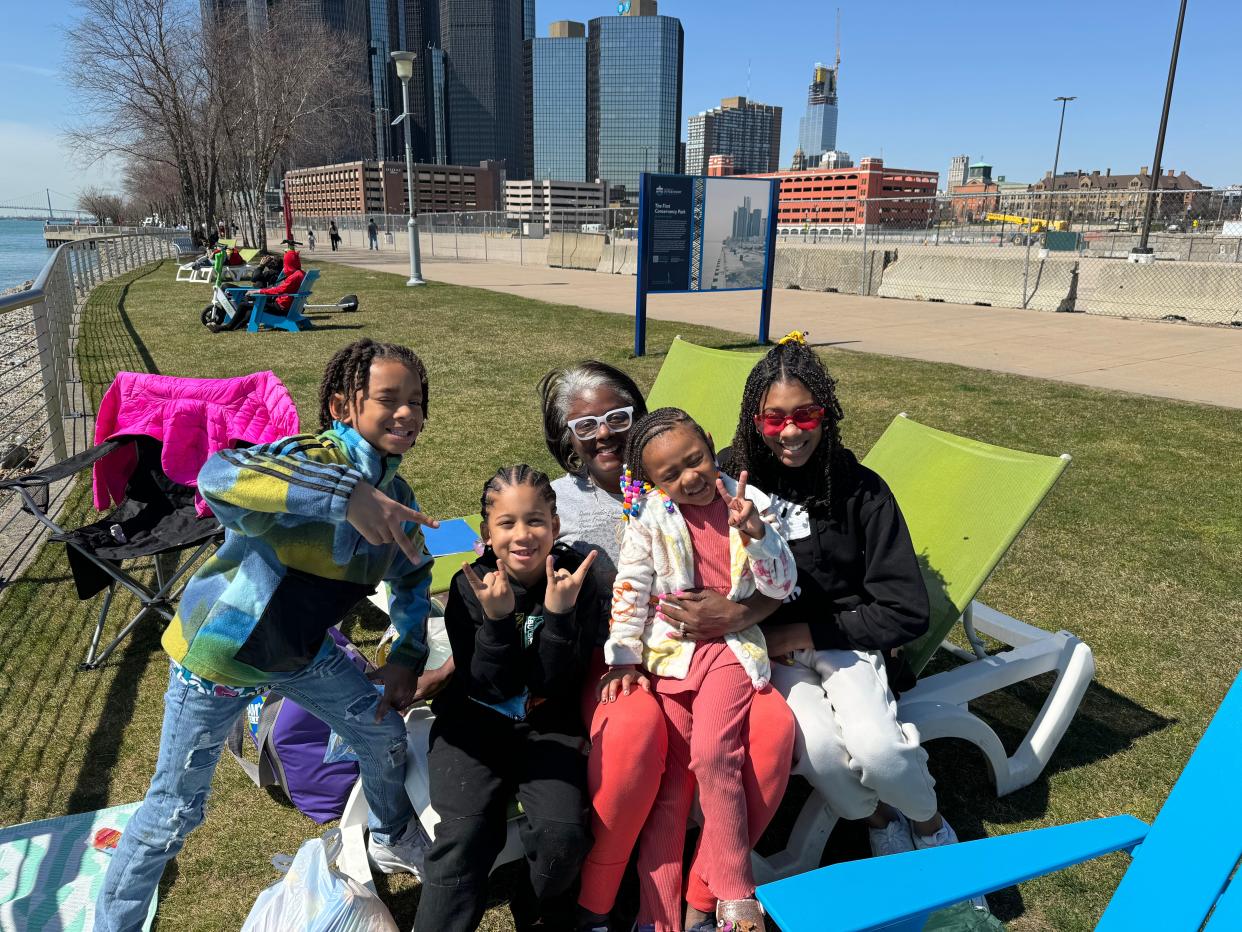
[
  {"x": 36, "y": 157},
  {"x": 30, "y": 69}
]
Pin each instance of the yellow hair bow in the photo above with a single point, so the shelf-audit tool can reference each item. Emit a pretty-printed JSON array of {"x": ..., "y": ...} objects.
[{"x": 793, "y": 336}]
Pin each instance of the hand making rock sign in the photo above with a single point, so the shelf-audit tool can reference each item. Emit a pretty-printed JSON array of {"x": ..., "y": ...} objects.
[
  {"x": 493, "y": 592},
  {"x": 563, "y": 586}
]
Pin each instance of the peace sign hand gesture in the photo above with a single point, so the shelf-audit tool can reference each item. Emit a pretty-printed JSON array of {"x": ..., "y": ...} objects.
[
  {"x": 493, "y": 592},
  {"x": 381, "y": 520},
  {"x": 743, "y": 514},
  {"x": 563, "y": 586}
]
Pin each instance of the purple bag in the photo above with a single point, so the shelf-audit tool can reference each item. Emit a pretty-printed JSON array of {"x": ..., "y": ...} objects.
[{"x": 291, "y": 743}]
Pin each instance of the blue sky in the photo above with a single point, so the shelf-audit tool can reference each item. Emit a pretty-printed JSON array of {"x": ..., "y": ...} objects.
[{"x": 920, "y": 81}]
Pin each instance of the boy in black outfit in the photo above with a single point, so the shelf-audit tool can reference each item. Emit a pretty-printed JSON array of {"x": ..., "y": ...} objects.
[{"x": 522, "y": 622}]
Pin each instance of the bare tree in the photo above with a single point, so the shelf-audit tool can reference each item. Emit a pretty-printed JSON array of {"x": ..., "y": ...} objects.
[
  {"x": 146, "y": 93},
  {"x": 155, "y": 186},
  {"x": 105, "y": 206},
  {"x": 286, "y": 91}
]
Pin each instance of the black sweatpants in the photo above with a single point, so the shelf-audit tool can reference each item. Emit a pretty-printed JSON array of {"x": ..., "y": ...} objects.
[{"x": 478, "y": 761}]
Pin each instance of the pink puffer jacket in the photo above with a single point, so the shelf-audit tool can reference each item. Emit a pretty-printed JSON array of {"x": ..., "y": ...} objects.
[{"x": 193, "y": 418}]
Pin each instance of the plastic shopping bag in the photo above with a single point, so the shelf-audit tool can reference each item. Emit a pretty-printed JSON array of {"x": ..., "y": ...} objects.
[{"x": 314, "y": 897}]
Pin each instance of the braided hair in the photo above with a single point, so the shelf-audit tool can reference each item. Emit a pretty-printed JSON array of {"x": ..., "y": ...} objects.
[
  {"x": 791, "y": 360},
  {"x": 650, "y": 426},
  {"x": 557, "y": 391},
  {"x": 349, "y": 372},
  {"x": 509, "y": 476}
]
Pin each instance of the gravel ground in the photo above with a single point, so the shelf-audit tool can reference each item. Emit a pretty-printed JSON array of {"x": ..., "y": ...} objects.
[
  {"x": 19, "y": 374},
  {"x": 22, "y": 434}
]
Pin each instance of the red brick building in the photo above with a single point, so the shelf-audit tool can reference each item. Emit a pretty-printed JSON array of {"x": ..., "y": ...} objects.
[
  {"x": 869, "y": 194},
  {"x": 366, "y": 188}
]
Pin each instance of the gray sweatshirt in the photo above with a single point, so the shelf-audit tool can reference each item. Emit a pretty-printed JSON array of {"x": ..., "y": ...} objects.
[{"x": 590, "y": 520}]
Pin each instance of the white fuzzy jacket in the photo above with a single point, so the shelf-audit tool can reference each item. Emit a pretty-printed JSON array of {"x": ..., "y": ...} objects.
[{"x": 657, "y": 558}]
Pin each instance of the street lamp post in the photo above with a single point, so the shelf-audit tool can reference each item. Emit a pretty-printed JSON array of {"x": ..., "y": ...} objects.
[
  {"x": 1142, "y": 252},
  {"x": 1056, "y": 159},
  {"x": 405, "y": 70}
]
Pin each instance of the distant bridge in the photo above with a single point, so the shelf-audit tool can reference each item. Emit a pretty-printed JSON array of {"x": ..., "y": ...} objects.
[{"x": 39, "y": 205}]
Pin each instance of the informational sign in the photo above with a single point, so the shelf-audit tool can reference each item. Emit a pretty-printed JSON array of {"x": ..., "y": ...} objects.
[
  {"x": 697, "y": 234},
  {"x": 669, "y": 229}
]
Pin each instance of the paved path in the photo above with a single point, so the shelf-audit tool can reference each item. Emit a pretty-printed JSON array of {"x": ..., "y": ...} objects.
[{"x": 1190, "y": 363}]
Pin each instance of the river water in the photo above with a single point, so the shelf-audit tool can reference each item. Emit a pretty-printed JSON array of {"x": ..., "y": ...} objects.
[{"x": 22, "y": 251}]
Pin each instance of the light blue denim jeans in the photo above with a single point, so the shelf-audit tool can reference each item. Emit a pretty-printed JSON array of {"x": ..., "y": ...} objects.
[{"x": 195, "y": 728}]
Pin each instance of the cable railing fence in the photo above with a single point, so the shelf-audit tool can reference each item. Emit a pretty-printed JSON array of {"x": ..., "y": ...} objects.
[{"x": 45, "y": 412}]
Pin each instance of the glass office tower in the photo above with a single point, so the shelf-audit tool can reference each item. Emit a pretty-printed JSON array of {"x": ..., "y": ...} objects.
[
  {"x": 817, "y": 131},
  {"x": 482, "y": 42},
  {"x": 634, "y": 75},
  {"x": 558, "y": 107}
]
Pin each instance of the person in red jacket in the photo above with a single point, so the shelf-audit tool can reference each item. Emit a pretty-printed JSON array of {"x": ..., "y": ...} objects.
[
  {"x": 234, "y": 258},
  {"x": 290, "y": 284}
]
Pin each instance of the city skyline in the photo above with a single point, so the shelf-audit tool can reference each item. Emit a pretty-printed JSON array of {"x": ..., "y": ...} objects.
[{"x": 987, "y": 104}]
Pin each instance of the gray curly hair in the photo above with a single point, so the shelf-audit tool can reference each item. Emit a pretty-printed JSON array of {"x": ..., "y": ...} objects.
[{"x": 557, "y": 391}]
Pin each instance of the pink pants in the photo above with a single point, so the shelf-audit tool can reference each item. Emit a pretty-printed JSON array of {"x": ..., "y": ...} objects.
[
  {"x": 706, "y": 715},
  {"x": 629, "y": 743}
]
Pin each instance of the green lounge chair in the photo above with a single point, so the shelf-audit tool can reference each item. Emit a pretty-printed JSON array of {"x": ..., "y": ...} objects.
[
  {"x": 706, "y": 383},
  {"x": 965, "y": 502}
]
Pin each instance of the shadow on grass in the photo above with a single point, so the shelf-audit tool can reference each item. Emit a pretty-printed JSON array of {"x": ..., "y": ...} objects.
[{"x": 64, "y": 726}]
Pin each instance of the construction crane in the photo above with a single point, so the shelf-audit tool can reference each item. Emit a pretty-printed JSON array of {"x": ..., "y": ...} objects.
[{"x": 1036, "y": 224}]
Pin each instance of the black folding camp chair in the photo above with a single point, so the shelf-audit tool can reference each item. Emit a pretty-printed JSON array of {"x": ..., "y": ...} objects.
[{"x": 156, "y": 519}]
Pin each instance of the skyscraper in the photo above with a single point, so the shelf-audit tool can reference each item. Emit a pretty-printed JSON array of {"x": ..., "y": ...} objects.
[
  {"x": 385, "y": 88},
  {"x": 634, "y": 78},
  {"x": 350, "y": 20},
  {"x": 418, "y": 24},
  {"x": 817, "y": 131},
  {"x": 957, "y": 172},
  {"x": 749, "y": 132},
  {"x": 558, "y": 99},
  {"x": 528, "y": 19},
  {"x": 482, "y": 42}
]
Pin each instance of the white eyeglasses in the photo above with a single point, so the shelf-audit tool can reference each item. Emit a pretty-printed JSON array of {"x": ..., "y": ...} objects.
[{"x": 617, "y": 420}]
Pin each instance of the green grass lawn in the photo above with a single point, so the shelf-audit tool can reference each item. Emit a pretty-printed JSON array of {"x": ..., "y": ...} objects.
[{"x": 1135, "y": 551}]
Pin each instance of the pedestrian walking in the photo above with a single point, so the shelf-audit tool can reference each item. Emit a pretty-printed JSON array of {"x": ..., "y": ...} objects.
[
  {"x": 310, "y": 239},
  {"x": 334, "y": 235},
  {"x": 372, "y": 234}
]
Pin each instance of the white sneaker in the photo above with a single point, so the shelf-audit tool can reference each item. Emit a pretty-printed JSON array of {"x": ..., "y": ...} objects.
[
  {"x": 893, "y": 838},
  {"x": 945, "y": 836},
  {"x": 404, "y": 855}
]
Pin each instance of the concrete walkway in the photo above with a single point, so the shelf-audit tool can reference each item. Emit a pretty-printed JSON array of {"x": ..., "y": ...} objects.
[{"x": 1169, "y": 360}]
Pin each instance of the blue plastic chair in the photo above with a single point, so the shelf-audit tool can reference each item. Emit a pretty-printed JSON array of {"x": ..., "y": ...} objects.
[
  {"x": 292, "y": 321},
  {"x": 1180, "y": 872}
]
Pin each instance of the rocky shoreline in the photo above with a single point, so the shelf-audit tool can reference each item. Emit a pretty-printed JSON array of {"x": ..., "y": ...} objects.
[{"x": 24, "y": 286}]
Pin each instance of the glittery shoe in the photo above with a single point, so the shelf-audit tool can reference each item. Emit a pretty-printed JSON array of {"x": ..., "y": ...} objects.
[{"x": 739, "y": 916}]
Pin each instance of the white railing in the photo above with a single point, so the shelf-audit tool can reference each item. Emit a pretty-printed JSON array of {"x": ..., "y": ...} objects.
[{"x": 45, "y": 413}]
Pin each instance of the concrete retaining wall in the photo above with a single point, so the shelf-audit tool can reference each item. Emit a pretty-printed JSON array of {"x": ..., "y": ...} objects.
[
  {"x": 1202, "y": 292},
  {"x": 940, "y": 275},
  {"x": 829, "y": 268},
  {"x": 619, "y": 257},
  {"x": 575, "y": 250}
]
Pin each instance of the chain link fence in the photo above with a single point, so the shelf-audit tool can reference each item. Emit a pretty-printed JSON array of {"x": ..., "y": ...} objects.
[
  {"x": 45, "y": 415},
  {"x": 1054, "y": 251}
]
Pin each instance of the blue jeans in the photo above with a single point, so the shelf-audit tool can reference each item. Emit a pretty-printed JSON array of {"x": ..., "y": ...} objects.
[{"x": 195, "y": 728}]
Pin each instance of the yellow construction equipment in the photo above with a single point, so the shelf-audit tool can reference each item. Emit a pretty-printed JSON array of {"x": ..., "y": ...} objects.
[{"x": 1037, "y": 224}]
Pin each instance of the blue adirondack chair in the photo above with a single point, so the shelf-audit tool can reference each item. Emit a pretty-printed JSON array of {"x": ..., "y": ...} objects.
[
  {"x": 1178, "y": 878},
  {"x": 294, "y": 320}
]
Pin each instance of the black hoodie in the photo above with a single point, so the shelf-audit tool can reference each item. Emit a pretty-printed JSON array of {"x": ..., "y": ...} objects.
[
  {"x": 531, "y": 651},
  {"x": 859, "y": 583}
]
